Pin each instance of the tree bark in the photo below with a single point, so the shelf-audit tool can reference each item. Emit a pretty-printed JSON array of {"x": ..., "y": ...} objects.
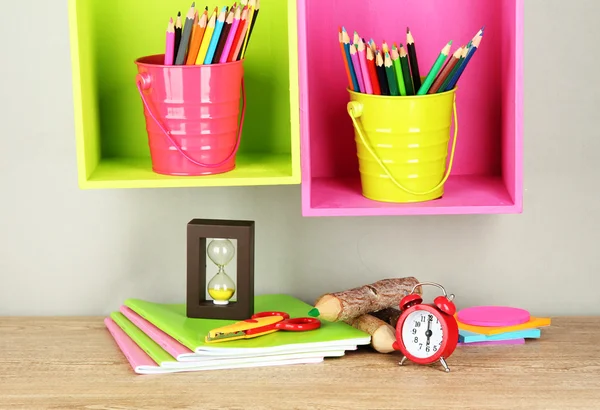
[{"x": 352, "y": 303}]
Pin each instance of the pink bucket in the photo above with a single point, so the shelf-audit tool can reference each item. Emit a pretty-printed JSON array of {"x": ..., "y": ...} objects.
[{"x": 192, "y": 115}]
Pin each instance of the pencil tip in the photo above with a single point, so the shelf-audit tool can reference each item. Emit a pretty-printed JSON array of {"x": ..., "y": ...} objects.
[
  {"x": 193, "y": 4},
  {"x": 407, "y": 30},
  {"x": 179, "y": 14},
  {"x": 343, "y": 29}
]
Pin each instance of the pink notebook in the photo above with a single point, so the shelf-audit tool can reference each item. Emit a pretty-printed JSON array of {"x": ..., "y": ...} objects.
[
  {"x": 141, "y": 363},
  {"x": 171, "y": 346}
]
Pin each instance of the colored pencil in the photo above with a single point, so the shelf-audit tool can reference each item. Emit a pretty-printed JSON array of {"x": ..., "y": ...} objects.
[
  {"x": 373, "y": 46},
  {"x": 224, "y": 36},
  {"x": 170, "y": 43},
  {"x": 384, "y": 47},
  {"x": 197, "y": 36},
  {"x": 239, "y": 39},
  {"x": 230, "y": 37},
  {"x": 373, "y": 71},
  {"x": 406, "y": 71},
  {"x": 357, "y": 68},
  {"x": 254, "y": 17},
  {"x": 178, "y": 31},
  {"x": 362, "y": 56},
  {"x": 465, "y": 51},
  {"x": 381, "y": 74},
  {"x": 441, "y": 78},
  {"x": 439, "y": 62},
  {"x": 346, "y": 62},
  {"x": 398, "y": 70},
  {"x": 391, "y": 75},
  {"x": 214, "y": 41},
  {"x": 251, "y": 13},
  {"x": 208, "y": 33},
  {"x": 346, "y": 41},
  {"x": 412, "y": 55},
  {"x": 186, "y": 35},
  {"x": 463, "y": 66}
]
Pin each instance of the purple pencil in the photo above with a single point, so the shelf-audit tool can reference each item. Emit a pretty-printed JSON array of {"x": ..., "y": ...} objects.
[
  {"x": 357, "y": 69},
  {"x": 236, "y": 22},
  {"x": 170, "y": 45}
]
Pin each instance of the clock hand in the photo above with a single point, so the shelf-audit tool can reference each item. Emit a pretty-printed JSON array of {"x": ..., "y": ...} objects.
[{"x": 428, "y": 332}]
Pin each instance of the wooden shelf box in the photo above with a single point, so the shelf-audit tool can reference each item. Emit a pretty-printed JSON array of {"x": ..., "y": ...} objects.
[
  {"x": 487, "y": 173},
  {"x": 107, "y": 36}
]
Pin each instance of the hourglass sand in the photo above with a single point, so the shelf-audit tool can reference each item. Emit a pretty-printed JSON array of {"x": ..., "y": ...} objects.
[{"x": 221, "y": 288}]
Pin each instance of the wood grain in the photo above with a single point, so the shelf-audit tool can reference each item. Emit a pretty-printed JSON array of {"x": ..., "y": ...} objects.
[{"x": 72, "y": 363}]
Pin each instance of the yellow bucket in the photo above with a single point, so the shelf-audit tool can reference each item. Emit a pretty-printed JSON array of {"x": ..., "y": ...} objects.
[{"x": 402, "y": 144}]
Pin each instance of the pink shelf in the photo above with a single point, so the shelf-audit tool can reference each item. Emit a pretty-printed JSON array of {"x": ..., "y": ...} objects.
[{"x": 487, "y": 173}]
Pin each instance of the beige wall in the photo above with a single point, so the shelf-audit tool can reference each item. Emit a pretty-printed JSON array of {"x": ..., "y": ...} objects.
[{"x": 64, "y": 251}]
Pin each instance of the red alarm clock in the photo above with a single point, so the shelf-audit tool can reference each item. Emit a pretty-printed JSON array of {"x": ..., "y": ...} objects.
[{"x": 426, "y": 333}]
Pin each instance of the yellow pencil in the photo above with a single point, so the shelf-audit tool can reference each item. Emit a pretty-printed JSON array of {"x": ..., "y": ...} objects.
[
  {"x": 252, "y": 7},
  {"x": 210, "y": 28}
]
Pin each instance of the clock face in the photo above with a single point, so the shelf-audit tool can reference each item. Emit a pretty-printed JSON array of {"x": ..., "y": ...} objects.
[{"x": 422, "y": 334}]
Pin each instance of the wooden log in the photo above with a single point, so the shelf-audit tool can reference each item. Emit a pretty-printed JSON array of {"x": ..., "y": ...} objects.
[
  {"x": 382, "y": 334},
  {"x": 389, "y": 315},
  {"x": 352, "y": 303}
]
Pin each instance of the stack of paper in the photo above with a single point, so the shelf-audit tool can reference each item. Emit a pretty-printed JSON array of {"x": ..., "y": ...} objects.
[
  {"x": 500, "y": 335},
  {"x": 159, "y": 338}
]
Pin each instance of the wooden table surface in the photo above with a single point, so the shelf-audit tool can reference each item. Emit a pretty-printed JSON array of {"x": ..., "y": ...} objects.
[{"x": 73, "y": 363}]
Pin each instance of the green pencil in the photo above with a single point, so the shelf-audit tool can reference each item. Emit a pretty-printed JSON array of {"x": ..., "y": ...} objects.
[
  {"x": 410, "y": 90},
  {"x": 398, "y": 70},
  {"x": 391, "y": 75},
  {"x": 437, "y": 66}
]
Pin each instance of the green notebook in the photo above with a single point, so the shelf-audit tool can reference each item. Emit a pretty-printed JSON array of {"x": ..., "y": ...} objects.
[{"x": 171, "y": 319}]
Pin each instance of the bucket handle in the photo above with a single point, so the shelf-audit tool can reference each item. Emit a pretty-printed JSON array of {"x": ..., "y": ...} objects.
[
  {"x": 144, "y": 83},
  {"x": 355, "y": 111}
]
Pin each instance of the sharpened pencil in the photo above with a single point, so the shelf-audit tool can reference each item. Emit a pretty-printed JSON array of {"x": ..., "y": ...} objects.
[
  {"x": 373, "y": 71},
  {"x": 346, "y": 41},
  {"x": 186, "y": 35},
  {"x": 439, "y": 62},
  {"x": 441, "y": 78},
  {"x": 231, "y": 36},
  {"x": 463, "y": 55},
  {"x": 170, "y": 43},
  {"x": 208, "y": 33},
  {"x": 463, "y": 66},
  {"x": 251, "y": 29},
  {"x": 408, "y": 82},
  {"x": 398, "y": 70},
  {"x": 239, "y": 37},
  {"x": 214, "y": 41},
  {"x": 223, "y": 36},
  {"x": 251, "y": 13},
  {"x": 362, "y": 56},
  {"x": 357, "y": 68},
  {"x": 178, "y": 32},
  {"x": 381, "y": 75},
  {"x": 345, "y": 60},
  {"x": 197, "y": 36},
  {"x": 413, "y": 60},
  {"x": 391, "y": 75}
]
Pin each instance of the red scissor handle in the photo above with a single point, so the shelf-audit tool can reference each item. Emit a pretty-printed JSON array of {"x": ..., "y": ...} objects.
[{"x": 299, "y": 324}]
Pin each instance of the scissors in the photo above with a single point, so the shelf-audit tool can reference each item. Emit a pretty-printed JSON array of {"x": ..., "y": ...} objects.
[{"x": 261, "y": 324}]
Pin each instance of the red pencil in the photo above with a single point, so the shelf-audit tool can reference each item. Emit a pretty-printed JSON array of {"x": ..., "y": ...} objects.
[{"x": 372, "y": 71}]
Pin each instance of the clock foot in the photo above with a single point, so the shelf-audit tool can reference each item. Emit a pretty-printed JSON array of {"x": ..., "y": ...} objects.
[
  {"x": 402, "y": 361},
  {"x": 443, "y": 362}
]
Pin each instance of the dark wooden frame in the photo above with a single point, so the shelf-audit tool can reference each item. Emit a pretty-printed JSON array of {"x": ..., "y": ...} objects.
[{"x": 198, "y": 230}]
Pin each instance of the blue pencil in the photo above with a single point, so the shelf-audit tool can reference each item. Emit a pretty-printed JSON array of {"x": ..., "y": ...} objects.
[
  {"x": 463, "y": 66},
  {"x": 214, "y": 40},
  {"x": 346, "y": 39}
]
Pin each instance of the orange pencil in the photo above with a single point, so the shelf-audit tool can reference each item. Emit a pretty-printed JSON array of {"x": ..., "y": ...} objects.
[
  {"x": 197, "y": 35},
  {"x": 350, "y": 84}
]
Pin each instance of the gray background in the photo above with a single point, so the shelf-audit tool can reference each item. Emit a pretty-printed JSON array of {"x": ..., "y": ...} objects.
[{"x": 70, "y": 252}]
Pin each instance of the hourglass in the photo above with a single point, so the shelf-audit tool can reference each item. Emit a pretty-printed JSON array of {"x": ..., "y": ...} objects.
[
  {"x": 221, "y": 288},
  {"x": 213, "y": 299}
]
